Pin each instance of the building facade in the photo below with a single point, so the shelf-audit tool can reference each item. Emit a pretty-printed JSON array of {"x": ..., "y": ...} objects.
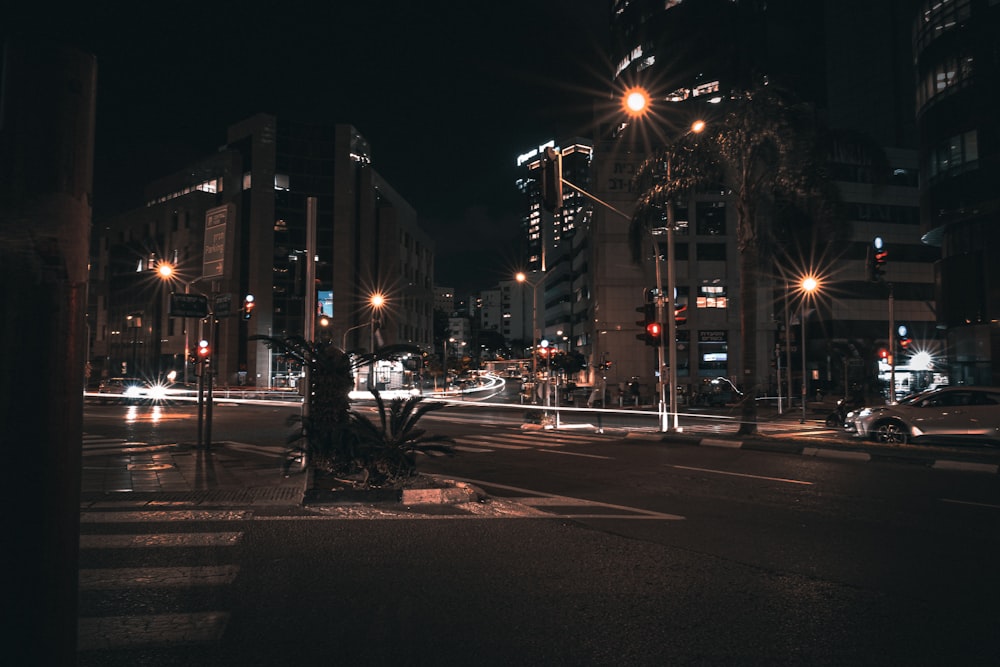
[
  {"x": 957, "y": 74},
  {"x": 278, "y": 192}
]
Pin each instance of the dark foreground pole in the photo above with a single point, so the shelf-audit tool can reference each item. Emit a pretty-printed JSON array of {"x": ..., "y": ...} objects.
[{"x": 47, "y": 109}]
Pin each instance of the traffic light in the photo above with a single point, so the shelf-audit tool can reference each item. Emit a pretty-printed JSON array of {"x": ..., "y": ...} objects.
[
  {"x": 248, "y": 305},
  {"x": 654, "y": 330},
  {"x": 648, "y": 320},
  {"x": 551, "y": 180},
  {"x": 203, "y": 350},
  {"x": 877, "y": 257},
  {"x": 903, "y": 337},
  {"x": 680, "y": 314}
]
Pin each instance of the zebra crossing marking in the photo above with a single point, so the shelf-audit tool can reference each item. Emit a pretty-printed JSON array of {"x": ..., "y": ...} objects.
[
  {"x": 123, "y": 578},
  {"x": 115, "y": 632},
  {"x": 152, "y": 540},
  {"x": 483, "y": 443},
  {"x": 141, "y": 630}
]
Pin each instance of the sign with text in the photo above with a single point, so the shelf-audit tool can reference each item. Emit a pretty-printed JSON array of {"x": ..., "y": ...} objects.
[
  {"x": 217, "y": 222},
  {"x": 222, "y": 304},
  {"x": 188, "y": 305}
]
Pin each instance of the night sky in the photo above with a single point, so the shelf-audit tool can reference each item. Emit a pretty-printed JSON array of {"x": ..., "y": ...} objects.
[{"x": 447, "y": 94}]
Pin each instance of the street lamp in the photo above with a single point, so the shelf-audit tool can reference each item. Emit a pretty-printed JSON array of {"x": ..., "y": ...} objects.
[
  {"x": 808, "y": 285},
  {"x": 522, "y": 277},
  {"x": 167, "y": 272},
  {"x": 636, "y": 102}
]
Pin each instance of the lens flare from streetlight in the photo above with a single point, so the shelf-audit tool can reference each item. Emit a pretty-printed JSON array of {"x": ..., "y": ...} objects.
[
  {"x": 165, "y": 269},
  {"x": 698, "y": 126},
  {"x": 636, "y": 101},
  {"x": 520, "y": 277},
  {"x": 377, "y": 300},
  {"x": 810, "y": 284}
]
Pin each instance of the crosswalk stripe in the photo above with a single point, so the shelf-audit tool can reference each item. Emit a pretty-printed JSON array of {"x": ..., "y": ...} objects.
[
  {"x": 111, "y": 632},
  {"x": 123, "y": 578},
  {"x": 163, "y": 515},
  {"x": 467, "y": 440},
  {"x": 143, "y": 541}
]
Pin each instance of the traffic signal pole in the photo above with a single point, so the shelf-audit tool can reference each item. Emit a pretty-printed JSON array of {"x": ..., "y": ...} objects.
[{"x": 892, "y": 348}]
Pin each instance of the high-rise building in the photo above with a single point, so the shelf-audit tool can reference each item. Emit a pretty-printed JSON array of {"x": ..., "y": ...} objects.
[
  {"x": 279, "y": 195},
  {"x": 957, "y": 75},
  {"x": 661, "y": 46}
]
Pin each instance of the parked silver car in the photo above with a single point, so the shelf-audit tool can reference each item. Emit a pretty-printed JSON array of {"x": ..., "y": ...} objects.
[{"x": 949, "y": 414}]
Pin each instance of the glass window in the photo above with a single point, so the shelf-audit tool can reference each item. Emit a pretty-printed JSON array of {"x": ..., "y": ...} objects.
[
  {"x": 711, "y": 218},
  {"x": 713, "y": 353},
  {"x": 711, "y": 252},
  {"x": 712, "y": 296}
]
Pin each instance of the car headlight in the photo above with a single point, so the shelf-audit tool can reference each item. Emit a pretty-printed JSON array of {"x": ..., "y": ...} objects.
[
  {"x": 132, "y": 391},
  {"x": 157, "y": 391}
]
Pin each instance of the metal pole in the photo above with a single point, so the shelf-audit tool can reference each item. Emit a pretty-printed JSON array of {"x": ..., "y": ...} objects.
[
  {"x": 672, "y": 316},
  {"x": 309, "y": 325},
  {"x": 788, "y": 350},
  {"x": 210, "y": 367},
  {"x": 534, "y": 342},
  {"x": 802, "y": 318},
  {"x": 892, "y": 348}
]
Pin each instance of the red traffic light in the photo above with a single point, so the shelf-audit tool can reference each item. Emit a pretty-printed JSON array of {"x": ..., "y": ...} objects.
[
  {"x": 203, "y": 350},
  {"x": 654, "y": 329}
]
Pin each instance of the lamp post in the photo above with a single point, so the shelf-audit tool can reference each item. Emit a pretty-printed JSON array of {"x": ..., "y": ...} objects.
[
  {"x": 522, "y": 277},
  {"x": 376, "y": 301},
  {"x": 636, "y": 103},
  {"x": 809, "y": 285}
]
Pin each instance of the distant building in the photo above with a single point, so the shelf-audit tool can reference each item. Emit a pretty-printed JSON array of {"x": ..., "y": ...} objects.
[
  {"x": 444, "y": 299},
  {"x": 262, "y": 188},
  {"x": 593, "y": 289}
]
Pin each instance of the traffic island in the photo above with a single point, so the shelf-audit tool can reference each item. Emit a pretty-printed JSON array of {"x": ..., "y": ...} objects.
[{"x": 417, "y": 490}]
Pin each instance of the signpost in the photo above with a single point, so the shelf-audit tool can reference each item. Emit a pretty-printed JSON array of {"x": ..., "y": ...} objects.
[{"x": 188, "y": 305}]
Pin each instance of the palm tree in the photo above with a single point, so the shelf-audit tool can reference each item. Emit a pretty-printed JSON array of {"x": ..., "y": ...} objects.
[
  {"x": 389, "y": 447},
  {"x": 325, "y": 436},
  {"x": 759, "y": 152}
]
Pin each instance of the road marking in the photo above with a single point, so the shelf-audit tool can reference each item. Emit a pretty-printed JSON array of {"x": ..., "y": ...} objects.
[
  {"x": 474, "y": 450},
  {"x": 474, "y": 442},
  {"x": 141, "y": 541},
  {"x": 742, "y": 474},
  {"x": 110, "y": 632},
  {"x": 969, "y": 502},
  {"x": 124, "y": 578},
  {"x": 163, "y": 515},
  {"x": 534, "y": 496},
  {"x": 589, "y": 456}
]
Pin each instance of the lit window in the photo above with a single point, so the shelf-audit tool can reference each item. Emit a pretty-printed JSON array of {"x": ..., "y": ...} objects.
[{"x": 712, "y": 296}]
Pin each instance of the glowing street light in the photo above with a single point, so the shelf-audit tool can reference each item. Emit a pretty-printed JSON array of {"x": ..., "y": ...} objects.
[
  {"x": 808, "y": 285},
  {"x": 636, "y": 101},
  {"x": 522, "y": 277},
  {"x": 637, "y": 104}
]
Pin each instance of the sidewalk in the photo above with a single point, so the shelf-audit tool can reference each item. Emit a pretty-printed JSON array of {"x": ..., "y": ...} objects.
[{"x": 226, "y": 474}]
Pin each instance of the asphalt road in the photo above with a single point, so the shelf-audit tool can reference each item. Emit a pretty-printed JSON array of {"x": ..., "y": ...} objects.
[{"x": 639, "y": 553}]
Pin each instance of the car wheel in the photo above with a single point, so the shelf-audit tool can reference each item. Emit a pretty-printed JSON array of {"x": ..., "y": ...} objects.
[{"x": 892, "y": 432}]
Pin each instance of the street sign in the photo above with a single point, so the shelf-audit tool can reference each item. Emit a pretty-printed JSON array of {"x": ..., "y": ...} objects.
[
  {"x": 188, "y": 305},
  {"x": 222, "y": 304}
]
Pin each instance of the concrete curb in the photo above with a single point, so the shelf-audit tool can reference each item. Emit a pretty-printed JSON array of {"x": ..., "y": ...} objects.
[{"x": 930, "y": 457}]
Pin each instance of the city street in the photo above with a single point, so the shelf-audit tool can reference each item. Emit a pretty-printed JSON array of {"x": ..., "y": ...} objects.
[{"x": 594, "y": 549}]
